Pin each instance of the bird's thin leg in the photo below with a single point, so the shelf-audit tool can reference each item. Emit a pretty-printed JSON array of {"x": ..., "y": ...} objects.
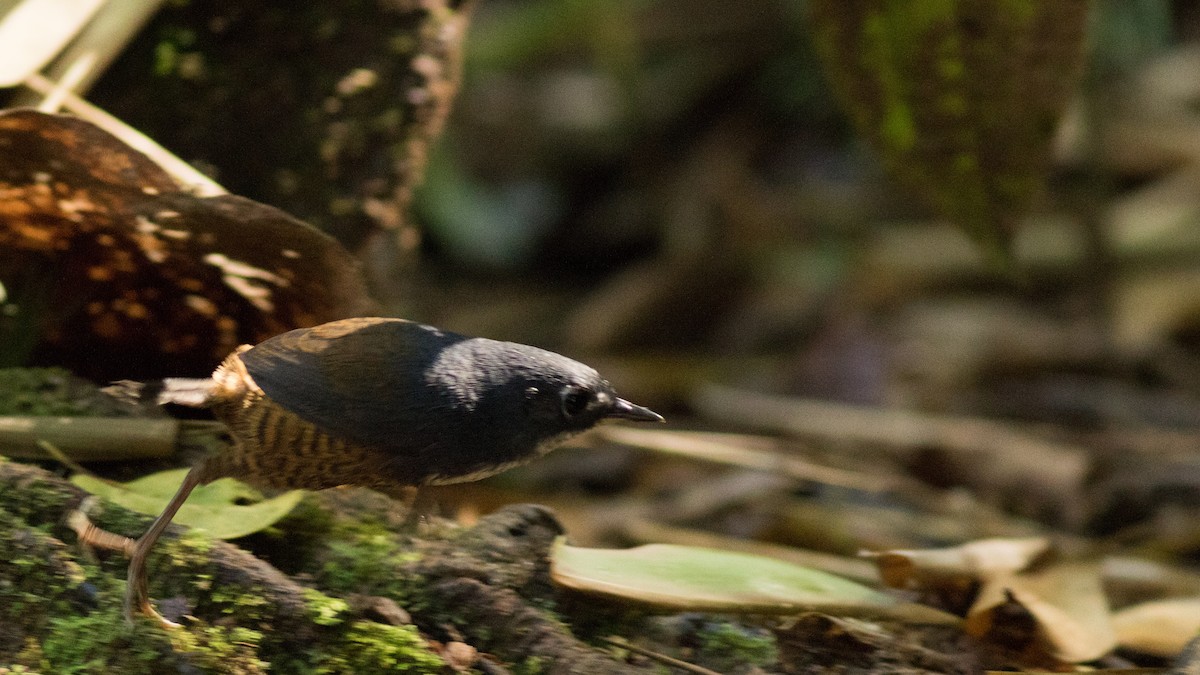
[
  {"x": 137, "y": 595},
  {"x": 94, "y": 537},
  {"x": 406, "y": 495}
]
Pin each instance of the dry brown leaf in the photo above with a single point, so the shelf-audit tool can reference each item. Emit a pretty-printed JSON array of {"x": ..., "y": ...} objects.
[
  {"x": 969, "y": 562},
  {"x": 1059, "y": 613},
  {"x": 138, "y": 278},
  {"x": 1160, "y": 628}
]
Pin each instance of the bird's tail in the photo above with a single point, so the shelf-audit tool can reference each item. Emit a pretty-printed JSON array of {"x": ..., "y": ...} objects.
[{"x": 193, "y": 393}]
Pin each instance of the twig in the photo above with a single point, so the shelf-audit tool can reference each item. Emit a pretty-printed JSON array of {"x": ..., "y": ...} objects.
[
  {"x": 198, "y": 183},
  {"x": 901, "y": 430},
  {"x": 661, "y": 658},
  {"x": 100, "y": 42},
  {"x": 725, "y": 449},
  {"x": 69, "y": 82},
  {"x": 58, "y": 456},
  {"x": 991, "y": 456}
]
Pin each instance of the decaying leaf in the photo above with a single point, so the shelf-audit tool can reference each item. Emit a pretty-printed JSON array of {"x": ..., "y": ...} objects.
[
  {"x": 950, "y": 578},
  {"x": 959, "y": 565},
  {"x": 225, "y": 508},
  {"x": 819, "y": 643},
  {"x": 690, "y": 578},
  {"x": 124, "y": 275},
  {"x": 1161, "y": 627},
  {"x": 1058, "y": 614},
  {"x": 959, "y": 97}
]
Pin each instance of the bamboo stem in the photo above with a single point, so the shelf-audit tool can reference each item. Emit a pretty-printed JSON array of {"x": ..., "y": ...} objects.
[{"x": 89, "y": 439}]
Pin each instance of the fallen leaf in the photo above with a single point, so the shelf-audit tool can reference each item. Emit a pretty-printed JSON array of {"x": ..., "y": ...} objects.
[
  {"x": 969, "y": 562},
  {"x": 688, "y": 578},
  {"x": 1160, "y": 628},
  {"x": 126, "y": 275},
  {"x": 225, "y": 508},
  {"x": 1058, "y": 613}
]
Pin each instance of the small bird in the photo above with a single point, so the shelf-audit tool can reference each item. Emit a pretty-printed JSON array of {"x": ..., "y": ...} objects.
[{"x": 382, "y": 403}]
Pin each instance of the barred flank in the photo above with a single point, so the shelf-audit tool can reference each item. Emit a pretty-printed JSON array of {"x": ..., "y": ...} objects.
[{"x": 280, "y": 449}]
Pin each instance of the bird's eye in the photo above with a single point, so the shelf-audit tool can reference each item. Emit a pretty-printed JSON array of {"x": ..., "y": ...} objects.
[{"x": 575, "y": 400}]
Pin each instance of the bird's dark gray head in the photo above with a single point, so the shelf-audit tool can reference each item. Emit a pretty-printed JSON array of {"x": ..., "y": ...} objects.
[{"x": 539, "y": 397}]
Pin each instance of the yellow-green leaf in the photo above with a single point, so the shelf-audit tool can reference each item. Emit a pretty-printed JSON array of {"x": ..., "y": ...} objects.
[
  {"x": 688, "y": 578},
  {"x": 225, "y": 508}
]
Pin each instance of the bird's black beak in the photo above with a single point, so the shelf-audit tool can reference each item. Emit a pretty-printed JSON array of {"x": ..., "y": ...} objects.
[{"x": 622, "y": 409}]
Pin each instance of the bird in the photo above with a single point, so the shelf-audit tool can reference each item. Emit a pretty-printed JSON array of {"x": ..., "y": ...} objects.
[{"x": 382, "y": 403}]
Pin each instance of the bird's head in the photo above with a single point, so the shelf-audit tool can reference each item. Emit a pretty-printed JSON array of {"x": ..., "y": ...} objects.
[{"x": 540, "y": 397}]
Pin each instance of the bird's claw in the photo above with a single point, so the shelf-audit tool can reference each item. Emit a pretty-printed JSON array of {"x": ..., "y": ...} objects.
[
  {"x": 141, "y": 607},
  {"x": 137, "y": 592}
]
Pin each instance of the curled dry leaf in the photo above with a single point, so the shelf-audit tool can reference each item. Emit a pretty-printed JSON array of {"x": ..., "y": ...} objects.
[
  {"x": 121, "y": 274},
  {"x": 958, "y": 565},
  {"x": 1161, "y": 628},
  {"x": 1058, "y": 614}
]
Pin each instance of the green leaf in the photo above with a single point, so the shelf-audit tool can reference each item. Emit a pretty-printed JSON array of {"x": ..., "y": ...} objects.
[
  {"x": 687, "y": 578},
  {"x": 225, "y": 508}
]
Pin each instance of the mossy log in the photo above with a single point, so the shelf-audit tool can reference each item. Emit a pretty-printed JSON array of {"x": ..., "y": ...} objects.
[{"x": 296, "y": 604}]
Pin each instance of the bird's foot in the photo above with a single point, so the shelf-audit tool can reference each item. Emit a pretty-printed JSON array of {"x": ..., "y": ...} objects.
[
  {"x": 137, "y": 596},
  {"x": 137, "y": 592},
  {"x": 140, "y": 606}
]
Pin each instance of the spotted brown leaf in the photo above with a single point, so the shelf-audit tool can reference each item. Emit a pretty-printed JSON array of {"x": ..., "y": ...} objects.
[{"x": 112, "y": 270}]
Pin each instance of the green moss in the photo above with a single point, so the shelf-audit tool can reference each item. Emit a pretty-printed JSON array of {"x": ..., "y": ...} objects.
[
  {"x": 52, "y": 392},
  {"x": 35, "y": 501},
  {"x": 370, "y": 561},
  {"x": 324, "y": 610},
  {"x": 369, "y": 647},
  {"x": 103, "y": 642},
  {"x": 34, "y": 391},
  {"x": 533, "y": 665},
  {"x": 188, "y": 554},
  {"x": 182, "y": 567},
  {"x": 38, "y": 576},
  {"x": 247, "y": 605},
  {"x": 118, "y": 520},
  {"x": 727, "y": 647},
  {"x": 222, "y": 649},
  {"x": 294, "y": 544}
]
